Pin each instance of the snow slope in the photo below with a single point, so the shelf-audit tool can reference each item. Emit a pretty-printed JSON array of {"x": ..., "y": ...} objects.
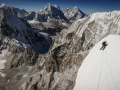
[
  {"x": 100, "y": 70},
  {"x": 2, "y": 66},
  {"x": 2, "y": 62},
  {"x": 33, "y": 21}
]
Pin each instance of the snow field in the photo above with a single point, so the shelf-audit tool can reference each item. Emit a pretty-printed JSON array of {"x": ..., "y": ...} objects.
[
  {"x": 2, "y": 62},
  {"x": 100, "y": 70}
]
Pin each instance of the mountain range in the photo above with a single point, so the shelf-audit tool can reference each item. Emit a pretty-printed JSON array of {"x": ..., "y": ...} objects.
[{"x": 44, "y": 50}]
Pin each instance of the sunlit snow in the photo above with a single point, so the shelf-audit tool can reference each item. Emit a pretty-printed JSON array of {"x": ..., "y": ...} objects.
[
  {"x": 2, "y": 62},
  {"x": 33, "y": 21},
  {"x": 100, "y": 70},
  {"x": 2, "y": 66}
]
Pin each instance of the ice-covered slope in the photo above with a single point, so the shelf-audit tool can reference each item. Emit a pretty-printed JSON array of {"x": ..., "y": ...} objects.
[{"x": 100, "y": 70}]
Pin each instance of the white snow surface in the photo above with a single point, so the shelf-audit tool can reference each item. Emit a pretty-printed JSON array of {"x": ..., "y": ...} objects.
[
  {"x": 100, "y": 70},
  {"x": 2, "y": 75},
  {"x": 32, "y": 21},
  {"x": 2, "y": 62},
  {"x": 25, "y": 75},
  {"x": 2, "y": 5},
  {"x": 2, "y": 66}
]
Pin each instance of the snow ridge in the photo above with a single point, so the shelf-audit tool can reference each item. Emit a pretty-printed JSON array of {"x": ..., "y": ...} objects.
[
  {"x": 2, "y": 5},
  {"x": 13, "y": 9},
  {"x": 100, "y": 69}
]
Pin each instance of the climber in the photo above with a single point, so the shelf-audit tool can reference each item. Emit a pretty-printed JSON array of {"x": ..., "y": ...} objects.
[{"x": 104, "y": 44}]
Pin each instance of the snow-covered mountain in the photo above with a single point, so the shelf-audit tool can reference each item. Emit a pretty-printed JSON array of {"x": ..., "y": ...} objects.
[
  {"x": 27, "y": 15},
  {"x": 52, "y": 11},
  {"x": 25, "y": 68},
  {"x": 49, "y": 12},
  {"x": 100, "y": 69},
  {"x": 20, "y": 11},
  {"x": 19, "y": 46},
  {"x": 2, "y": 5},
  {"x": 14, "y": 30},
  {"x": 72, "y": 45},
  {"x": 49, "y": 19},
  {"x": 13, "y": 10},
  {"x": 73, "y": 14}
]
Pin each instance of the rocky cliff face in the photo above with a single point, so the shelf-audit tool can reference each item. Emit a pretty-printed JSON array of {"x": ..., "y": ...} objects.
[
  {"x": 27, "y": 69},
  {"x": 19, "y": 47},
  {"x": 57, "y": 69}
]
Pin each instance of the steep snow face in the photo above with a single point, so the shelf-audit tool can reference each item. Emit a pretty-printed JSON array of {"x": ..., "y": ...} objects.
[
  {"x": 73, "y": 14},
  {"x": 12, "y": 19},
  {"x": 97, "y": 26},
  {"x": 100, "y": 70}
]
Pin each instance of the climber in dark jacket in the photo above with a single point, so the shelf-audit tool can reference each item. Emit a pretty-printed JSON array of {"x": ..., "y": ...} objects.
[{"x": 104, "y": 44}]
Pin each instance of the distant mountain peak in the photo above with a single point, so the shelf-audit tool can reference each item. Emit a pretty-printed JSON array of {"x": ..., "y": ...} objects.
[
  {"x": 69, "y": 8},
  {"x": 76, "y": 7},
  {"x": 49, "y": 7},
  {"x": 52, "y": 11},
  {"x": 12, "y": 9},
  {"x": 57, "y": 6},
  {"x": 17, "y": 10},
  {"x": 74, "y": 13},
  {"x": 3, "y": 4}
]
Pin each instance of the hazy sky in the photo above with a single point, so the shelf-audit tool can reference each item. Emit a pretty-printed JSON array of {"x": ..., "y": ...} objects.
[{"x": 87, "y": 6}]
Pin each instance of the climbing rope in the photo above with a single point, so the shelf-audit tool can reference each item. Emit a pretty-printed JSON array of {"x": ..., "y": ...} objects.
[
  {"x": 109, "y": 71},
  {"x": 100, "y": 71},
  {"x": 111, "y": 74}
]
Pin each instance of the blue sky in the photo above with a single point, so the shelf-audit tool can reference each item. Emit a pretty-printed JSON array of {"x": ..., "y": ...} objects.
[{"x": 87, "y": 6}]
